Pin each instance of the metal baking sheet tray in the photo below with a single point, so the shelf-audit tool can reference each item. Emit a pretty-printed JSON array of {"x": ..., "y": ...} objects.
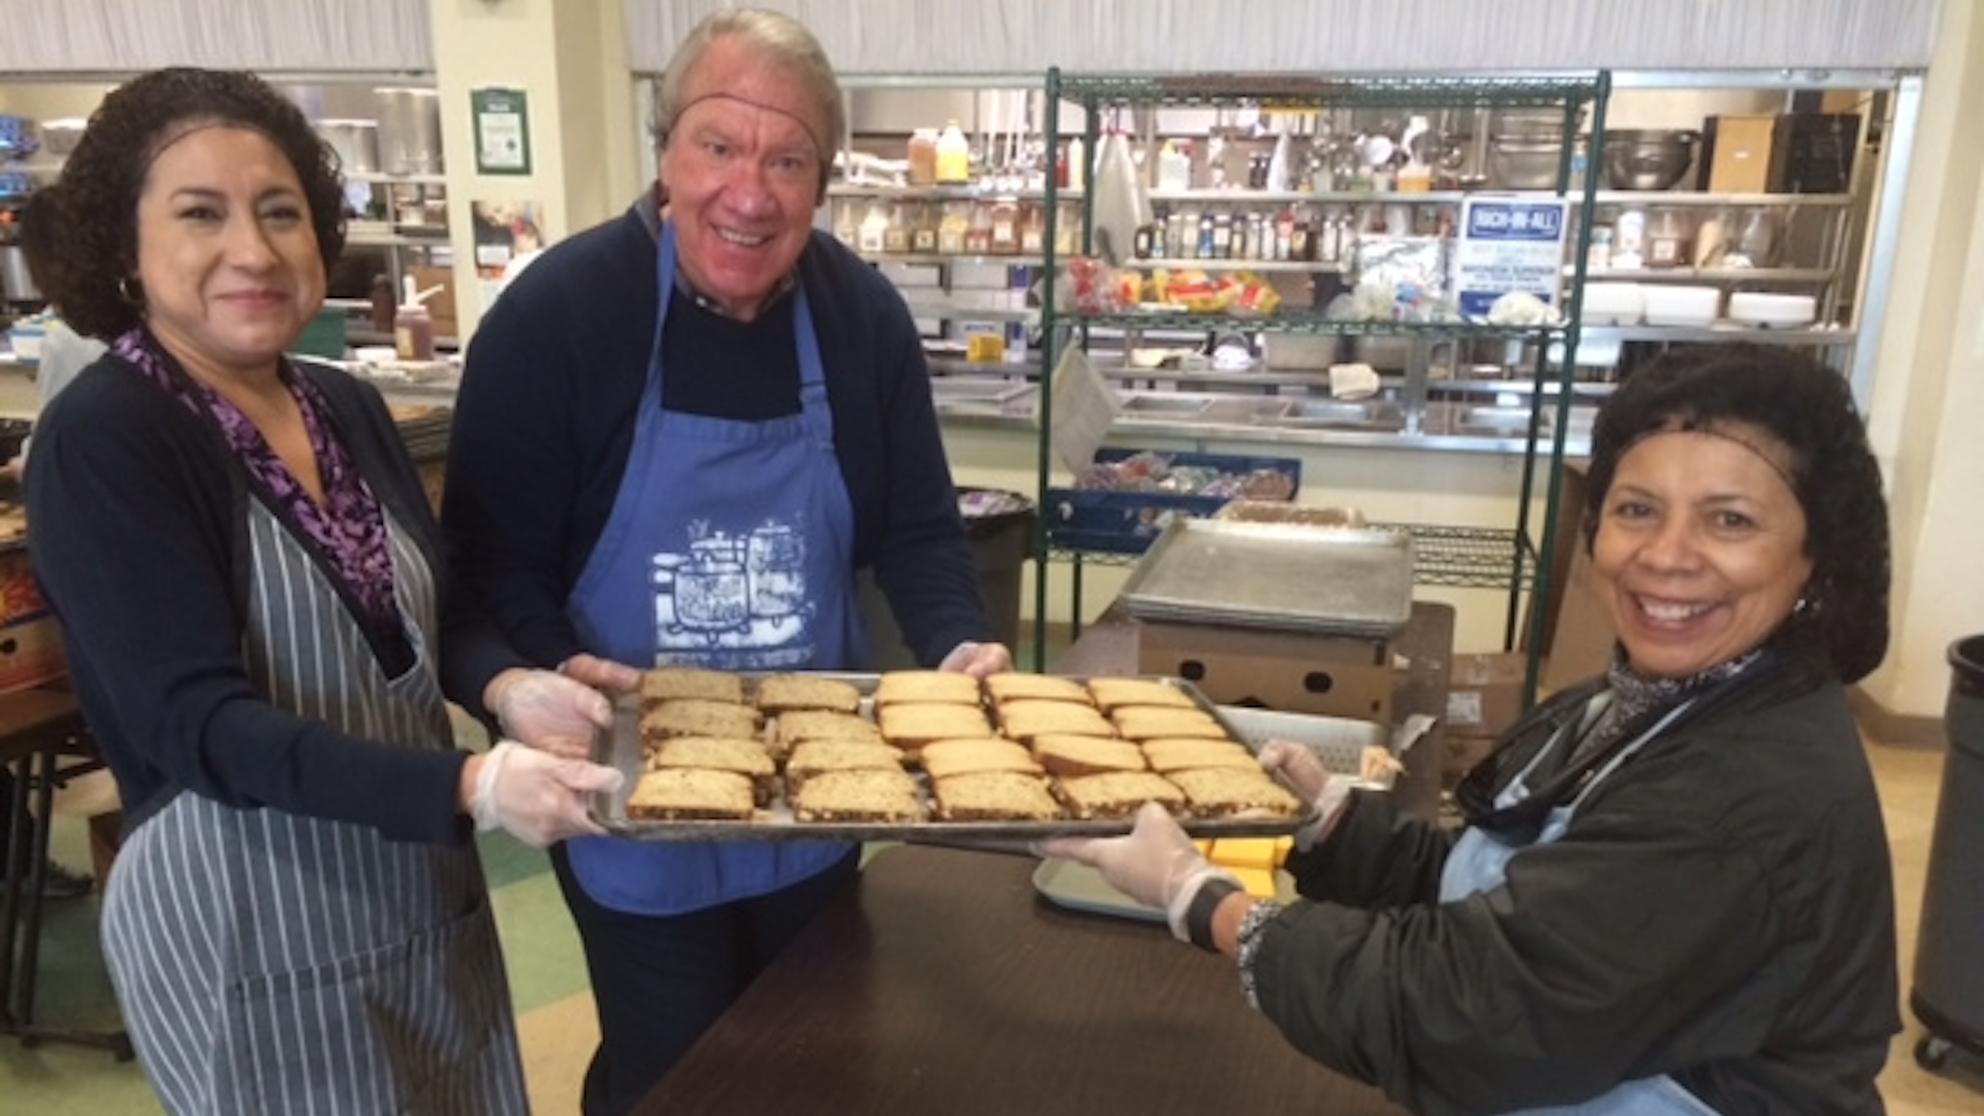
[
  {"x": 1278, "y": 576},
  {"x": 623, "y": 749}
]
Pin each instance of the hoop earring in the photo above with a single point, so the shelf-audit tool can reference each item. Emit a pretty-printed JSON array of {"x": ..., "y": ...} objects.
[{"x": 131, "y": 292}]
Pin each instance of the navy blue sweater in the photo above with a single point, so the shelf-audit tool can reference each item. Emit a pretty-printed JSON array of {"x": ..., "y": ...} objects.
[
  {"x": 544, "y": 425},
  {"x": 140, "y": 544}
]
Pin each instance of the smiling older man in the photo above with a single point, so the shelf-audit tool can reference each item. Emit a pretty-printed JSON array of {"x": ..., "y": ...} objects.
[{"x": 704, "y": 386}]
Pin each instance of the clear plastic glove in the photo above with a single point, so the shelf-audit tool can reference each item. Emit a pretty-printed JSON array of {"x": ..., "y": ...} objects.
[
  {"x": 601, "y": 674},
  {"x": 549, "y": 711},
  {"x": 537, "y": 797},
  {"x": 977, "y": 659},
  {"x": 1302, "y": 772},
  {"x": 1157, "y": 864}
]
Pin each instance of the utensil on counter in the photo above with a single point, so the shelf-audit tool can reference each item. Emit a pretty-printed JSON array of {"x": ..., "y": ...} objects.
[{"x": 1648, "y": 158}]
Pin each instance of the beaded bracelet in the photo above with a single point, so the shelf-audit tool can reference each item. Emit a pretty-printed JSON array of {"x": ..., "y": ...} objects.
[{"x": 1257, "y": 919}]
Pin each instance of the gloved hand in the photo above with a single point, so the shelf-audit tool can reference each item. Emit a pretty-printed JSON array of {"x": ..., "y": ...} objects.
[
  {"x": 978, "y": 659},
  {"x": 548, "y": 711},
  {"x": 537, "y": 797},
  {"x": 601, "y": 674},
  {"x": 1302, "y": 772},
  {"x": 1157, "y": 864}
]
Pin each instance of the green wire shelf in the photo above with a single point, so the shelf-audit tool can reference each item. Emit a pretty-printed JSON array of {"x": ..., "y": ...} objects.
[
  {"x": 1304, "y": 323},
  {"x": 1226, "y": 89},
  {"x": 1466, "y": 557}
]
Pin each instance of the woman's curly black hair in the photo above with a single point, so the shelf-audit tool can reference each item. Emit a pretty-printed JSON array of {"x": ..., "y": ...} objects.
[
  {"x": 1806, "y": 406},
  {"x": 91, "y": 245}
]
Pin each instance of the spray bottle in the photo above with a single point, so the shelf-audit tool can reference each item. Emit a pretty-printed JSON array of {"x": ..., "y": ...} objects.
[{"x": 413, "y": 327}]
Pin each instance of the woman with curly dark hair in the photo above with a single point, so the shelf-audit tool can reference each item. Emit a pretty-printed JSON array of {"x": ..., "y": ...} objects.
[
  {"x": 1672, "y": 894},
  {"x": 250, "y": 585}
]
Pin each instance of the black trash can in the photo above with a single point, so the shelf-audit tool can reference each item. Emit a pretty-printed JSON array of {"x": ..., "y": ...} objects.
[
  {"x": 1948, "y": 992},
  {"x": 1000, "y": 526}
]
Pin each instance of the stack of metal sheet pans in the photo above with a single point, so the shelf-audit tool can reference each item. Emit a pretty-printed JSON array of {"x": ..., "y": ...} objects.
[{"x": 1277, "y": 576}]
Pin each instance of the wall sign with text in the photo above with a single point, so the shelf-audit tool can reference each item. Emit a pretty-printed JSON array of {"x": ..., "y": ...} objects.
[{"x": 502, "y": 130}]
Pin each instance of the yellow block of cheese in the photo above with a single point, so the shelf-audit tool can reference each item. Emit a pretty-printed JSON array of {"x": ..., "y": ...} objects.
[
  {"x": 1259, "y": 882},
  {"x": 1250, "y": 852}
]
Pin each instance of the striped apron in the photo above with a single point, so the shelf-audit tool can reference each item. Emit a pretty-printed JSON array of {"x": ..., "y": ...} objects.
[{"x": 267, "y": 962}]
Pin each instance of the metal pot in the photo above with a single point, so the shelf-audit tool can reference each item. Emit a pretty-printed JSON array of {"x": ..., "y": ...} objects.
[
  {"x": 355, "y": 141},
  {"x": 410, "y": 130},
  {"x": 16, "y": 282},
  {"x": 1648, "y": 158},
  {"x": 1530, "y": 163}
]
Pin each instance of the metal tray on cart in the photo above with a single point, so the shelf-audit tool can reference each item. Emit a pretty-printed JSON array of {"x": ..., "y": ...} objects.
[
  {"x": 622, "y": 748},
  {"x": 1285, "y": 577}
]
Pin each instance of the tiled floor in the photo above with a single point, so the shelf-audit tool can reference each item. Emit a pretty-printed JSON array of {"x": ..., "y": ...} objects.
[{"x": 548, "y": 981}]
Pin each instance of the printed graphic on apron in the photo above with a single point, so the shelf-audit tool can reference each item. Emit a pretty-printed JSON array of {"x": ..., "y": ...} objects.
[{"x": 734, "y": 598}]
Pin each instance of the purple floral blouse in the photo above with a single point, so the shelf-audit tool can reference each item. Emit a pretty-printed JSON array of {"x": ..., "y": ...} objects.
[{"x": 349, "y": 530}]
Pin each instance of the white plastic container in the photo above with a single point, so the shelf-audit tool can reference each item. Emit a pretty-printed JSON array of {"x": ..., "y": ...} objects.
[
  {"x": 1775, "y": 311},
  {"x": 1681, "y": 306},
  {"x": 1614, "y": 303}
]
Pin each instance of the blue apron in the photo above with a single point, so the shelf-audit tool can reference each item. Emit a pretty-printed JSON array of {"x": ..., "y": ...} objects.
[
  {"x": 1479, "y": 862},
  {"x": 730, "y": 545}
]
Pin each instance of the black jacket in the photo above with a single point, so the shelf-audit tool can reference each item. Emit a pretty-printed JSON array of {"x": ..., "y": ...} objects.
[
  {"x": 140, "y": 545},
  {"x": 1719, "y": 910}
]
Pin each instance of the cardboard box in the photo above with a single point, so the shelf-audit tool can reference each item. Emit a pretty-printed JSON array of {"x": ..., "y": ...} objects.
[
  {"x": 1736, "y": 154},
  {"x": 1581, "y": 642},
  {"x": 1461, "y": 753},
  {"x": 1484, "y": 692},
  {"x": 1287, "y": 671},
  {"x": 30, "y": 641}
]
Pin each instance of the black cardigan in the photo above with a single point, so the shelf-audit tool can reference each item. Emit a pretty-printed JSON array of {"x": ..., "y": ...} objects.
[
  {"x": 1720, "y": 910},
  {"x": 544, "y": 425},
  {"x": 140, "y": 544}
]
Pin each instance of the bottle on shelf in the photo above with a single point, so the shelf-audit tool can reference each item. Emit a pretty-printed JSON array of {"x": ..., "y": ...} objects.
[
  {"x": 923, "y": 157},
  {"x": 895, "y": 238},
  {"x": 1174, "y": 167},
  {"x": 923, "y": 230},
  {"x": 956, "y": 224},
  {"x": 953, "y": 155},
  {"x": 1005, "y": 235},
  {"x": 385, "y": 303},
  {"x": 1222, "y": 237},
  {"x": 1033, "y": 229},
  {"x": 413, "y": 327},
  {"x": 1203, "y": 251},
  {"x": 873, "y": 235},
  {"x": 847, "y": 227},
  {"x": 1180, "y": 235},
  {"x": 978, "y": 234},
  {"x": 1067, "y": 229},
  {"x": 1284, "y": 233}
]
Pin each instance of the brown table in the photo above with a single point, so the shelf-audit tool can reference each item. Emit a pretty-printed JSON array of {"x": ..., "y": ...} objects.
[
  {"x": 943, "y": 983},
  {"x": 38, "y": 727}
]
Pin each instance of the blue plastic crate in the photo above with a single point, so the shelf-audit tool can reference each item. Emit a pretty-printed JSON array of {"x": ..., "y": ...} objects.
[{"x": 1127, "y": 522}]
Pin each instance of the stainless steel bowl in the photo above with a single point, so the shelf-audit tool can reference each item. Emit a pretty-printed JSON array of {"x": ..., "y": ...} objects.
[
  {"x": 1648, "y": 158},
  {"x": 1529, "y": 163}
]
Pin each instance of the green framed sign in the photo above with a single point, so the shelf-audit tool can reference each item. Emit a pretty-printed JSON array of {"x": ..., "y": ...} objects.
[{"x": 502, "y": 130}]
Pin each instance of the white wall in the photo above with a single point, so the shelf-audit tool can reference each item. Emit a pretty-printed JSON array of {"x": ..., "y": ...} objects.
[
  {"x": 1027, "y": 36},
  {"x": 43, "y": 36}
]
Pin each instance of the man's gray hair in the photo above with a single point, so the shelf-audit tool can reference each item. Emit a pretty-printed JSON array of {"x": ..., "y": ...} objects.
[{"x": 786, "y": 41}]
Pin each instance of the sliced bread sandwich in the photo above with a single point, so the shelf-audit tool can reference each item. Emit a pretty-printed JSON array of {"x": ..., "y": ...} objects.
[
  {"x": 1117, "y": 794},
  {"x": 783, "y": 693},
  {"x": 1218, "y": 792},
  {"x": 994, "y": 796},
  {"x": 1014, "y": 686},
  {"x": 1066, "y": 755},
  {"x": 667, "y": 683},
  {"x": 865, "y": 795},
  {"x": 690, "y": 794},
  {"x": 899, "y": 686}
]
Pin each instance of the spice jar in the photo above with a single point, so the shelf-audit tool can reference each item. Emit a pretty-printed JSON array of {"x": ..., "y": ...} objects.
[
  {"x": 923, "y": 157},
  {"x": 1668, "y": 238}
]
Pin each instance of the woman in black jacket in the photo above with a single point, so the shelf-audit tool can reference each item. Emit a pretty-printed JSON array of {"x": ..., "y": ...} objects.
[{"x": 1672, "y": 894}]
